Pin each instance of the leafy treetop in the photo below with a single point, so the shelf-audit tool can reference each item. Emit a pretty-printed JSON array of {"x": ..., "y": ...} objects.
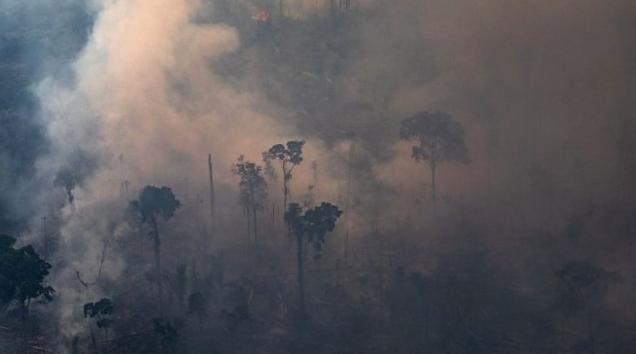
[
  {"x": 156, "y": 201},
  {"x": 253, "y": 187},
  {"x": 440, "y": 137},
  {"x": 315, "y": 223},
  {"x": 22, "y": 273}
]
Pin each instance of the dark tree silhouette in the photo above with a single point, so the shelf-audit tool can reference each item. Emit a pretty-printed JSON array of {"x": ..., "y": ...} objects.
[
  {"x": 22, "y": 274},
  {"x": 290, "y": 156},
  {"x": 134, "y": 218},
  {"x": 180, "y": 284},
  {"x": 252, "y": 190},
  {"x": 101, "y": 311},
  {"x": 71, "y": 174},
  {"x": 312, "y": 226},
  {"x": 439, "y": 139},
  {"x": 272, "y": 178},
  {"x": 169, "y": 333},
  {"x": 68, "y": 180},
  {"x": 154, "y": 201}
]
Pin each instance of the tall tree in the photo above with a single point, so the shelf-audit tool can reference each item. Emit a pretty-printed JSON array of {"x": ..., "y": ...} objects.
[
  {"x": 153, "y": 202},
  {"x": 102, "y": 312},
  {"x": 252, "y": 189},
  {"x": 290, "y": 156},
  {"x": 312, "y": 226},
  {"x": 439, "y": 139},
  {"x": 22, "y": 275}
]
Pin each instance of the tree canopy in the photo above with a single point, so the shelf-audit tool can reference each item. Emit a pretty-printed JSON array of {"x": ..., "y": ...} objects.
[
  {"x": 156, "y": 201},
  {"x": 440, "y": 138},
  {"x": 102, "y": 310},
  {"x": 252, "y": 186},
  {"x": 22, "y": 273},
  {"x": 291, "y": 152},
  {"x": 315, "y": 223}
]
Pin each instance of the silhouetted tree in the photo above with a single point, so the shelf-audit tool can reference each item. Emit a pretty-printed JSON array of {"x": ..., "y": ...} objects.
[
  {"x": 312, "y": 226},
  {"x": 180, "y": 283},
  {"x": 68, "y": 180},
  {"x": 290, "y": 156},
  {"x": 252, "y": 190},
  {"x": 22, "y": 274},
  {"x": 102, "y": 312},
  {"x": 272, "y": 178},
  {"x": 134, "y": 218},
  {"x": 169, "y": 332},
  {"x": 154, "y": 201},
  {"x": 439, "y": 139},
  {"x": 70, "y": 175}
]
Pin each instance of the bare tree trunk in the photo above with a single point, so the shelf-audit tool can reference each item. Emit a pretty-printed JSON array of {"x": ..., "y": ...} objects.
[
  {"x": 141, "y": 241},
  {"x": 433, "y": 186},
  {"x": 249, "y": 225},
  {"x": 158, "y": 264},
  {"x": 273, "y": 213},
  {"x": 46, "y": 238},
  {"x": 348, "y": 201},
  {"x": 255, "y": 225},
  {"x": 253, "y": 206},
  {"x": 285, "y": 193},
  {"x": 286, "y": 178},
  {"x": 93, "y": 340},
  {"x": 23, "y": 316},
  {"x": 212, "y": 200},
  {"x": 301, "y": 280}
]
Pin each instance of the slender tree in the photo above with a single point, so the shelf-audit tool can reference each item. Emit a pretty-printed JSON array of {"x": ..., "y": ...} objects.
[
  {"x": 290, "y": 156},
  {"x": 311, "y": 226},
  {"x": 272, "y": 178},
  {"x": 252, "y": 190},
  {"x": 439, "y": 139},
  {"x": 100, "y": 311},
  {"x": 134, "y": 218},
  {"x": 154, "y": 201},
  {"x": 212, "y": 199}
]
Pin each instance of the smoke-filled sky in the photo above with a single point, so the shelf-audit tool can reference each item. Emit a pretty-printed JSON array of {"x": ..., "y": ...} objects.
[
  {"x": 143, "y": 90},
  {"x": 549, "y": 76}
]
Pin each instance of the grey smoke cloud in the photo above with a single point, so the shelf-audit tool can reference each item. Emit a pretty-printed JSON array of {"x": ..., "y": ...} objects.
[{"x": 546, "y": 82}]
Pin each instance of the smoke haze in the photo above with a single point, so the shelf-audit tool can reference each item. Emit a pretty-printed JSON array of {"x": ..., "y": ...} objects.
[{"x": 131, "y": 93}]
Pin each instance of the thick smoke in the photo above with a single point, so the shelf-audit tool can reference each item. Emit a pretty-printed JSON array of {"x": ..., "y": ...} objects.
[
  {"x": 145, "y": 107},
  {"x": 542, "y": 88}
]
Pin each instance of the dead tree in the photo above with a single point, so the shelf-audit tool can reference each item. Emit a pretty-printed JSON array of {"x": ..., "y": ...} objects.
[
  {"x": 348, "y": 198},
  {"x": 212, "y": 198}
]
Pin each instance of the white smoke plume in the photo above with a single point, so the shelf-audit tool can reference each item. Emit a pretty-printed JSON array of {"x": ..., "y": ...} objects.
[{"x": 145, "y": 106}]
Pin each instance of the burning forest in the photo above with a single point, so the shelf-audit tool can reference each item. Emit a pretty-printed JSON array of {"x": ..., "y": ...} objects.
[{"x": 317, "y": 176}]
